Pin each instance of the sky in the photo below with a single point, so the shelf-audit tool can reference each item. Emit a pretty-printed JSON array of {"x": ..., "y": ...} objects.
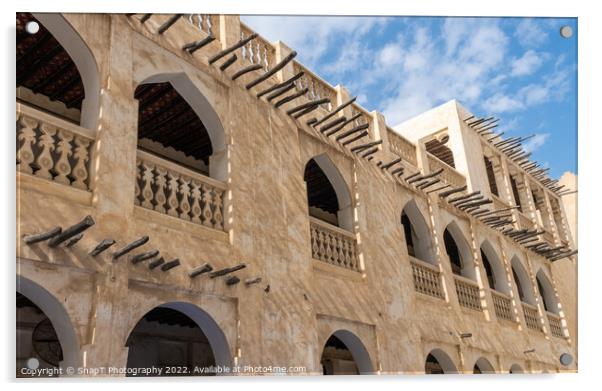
[{"x": 520, "y": 70}]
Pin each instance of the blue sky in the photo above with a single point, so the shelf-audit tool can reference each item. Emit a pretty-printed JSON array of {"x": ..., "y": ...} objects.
[{"x": 519, "y": 69}]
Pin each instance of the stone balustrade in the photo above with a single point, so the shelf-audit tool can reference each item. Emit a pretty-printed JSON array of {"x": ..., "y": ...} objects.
[
  {"x": 52, "y": 149},
  {"x": 171, "y": 189},
  {"x": 208, "y": 24},
  {"x": 531, "y": 316},
  {"x": 259, "y": 50},
  {"x": 498, "y": 203},
  {"x": 402, "y": 147},
  {"x": 449, "y": 175},
  {"x": 317, "y": 88},
  {"x": 427, "y": 278},
  {"x": 524, "y": 222},
  {"x": 555, "y": 325},
  {"x": 502, "y": 305},
  {"x": 333, "y": 245},
  {"x": 468, "y": 293}
]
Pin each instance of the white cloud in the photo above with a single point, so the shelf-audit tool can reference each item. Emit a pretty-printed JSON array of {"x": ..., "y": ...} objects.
[
  {"x": 527, "y": 64},
  {"x": 536, "y": 142},
  {"x": 500, "y": 103},
  {"x": 529, "y": 33},
  {"x": 310, "y": 36}
]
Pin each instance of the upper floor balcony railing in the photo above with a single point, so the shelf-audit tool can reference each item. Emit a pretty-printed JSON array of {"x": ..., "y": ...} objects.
[
  {"x": 427, "y": 278},
  {"x": 333, "y": 245},
  {"x": 402, "y": 147},
  {"x": 468, "y": 293},
  {"x": 172, "y": 189},
  {"x": 52, "y": 149},
  {"x": 555, "y": 325},
  {"x": 449, "y": 175},
  {"x": 502, "y": 305},
  {"x": 531, "y": 316}
]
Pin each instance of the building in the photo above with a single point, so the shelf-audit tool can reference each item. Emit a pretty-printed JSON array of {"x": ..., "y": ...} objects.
[{"x": 177, "y": 209}]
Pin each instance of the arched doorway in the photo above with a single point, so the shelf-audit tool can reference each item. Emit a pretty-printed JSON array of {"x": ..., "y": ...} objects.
[
  {"x": 438, "y": 362},
  {"x": 417, "y": 233},
  {"x": 482, "y": 365},
  {"x": 328, "y": 197},
  {"x": 345, "y": 354},
  {"x": 177, "y": 335},
  {"x": 515, "y": 368},
  {"x": 458, "y": 251},
  {"x": 56, "y": 72},
  {"x": 44, "y": 330},
  {"x": 522, "y": 281}
]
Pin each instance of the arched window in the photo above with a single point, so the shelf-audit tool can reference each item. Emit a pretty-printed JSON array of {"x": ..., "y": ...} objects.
[
  {"x": 515, "y": 368},
  {"x": 417, "y": 233},
  {"x": 345, "y": 354},
  {"x": 494, "y": 269},
  {"x": 56, "y": 72},
  {"x": 458, "y": 251},
  {"x": 327, "y": 195},
  {"x": 169, "y": 127},
  {"x": 522, "y": 281},
  {"x": 546, "y": 291}
]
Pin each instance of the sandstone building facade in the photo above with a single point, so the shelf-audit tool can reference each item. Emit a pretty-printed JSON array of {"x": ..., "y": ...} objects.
[{"x": 268, "y": 224}]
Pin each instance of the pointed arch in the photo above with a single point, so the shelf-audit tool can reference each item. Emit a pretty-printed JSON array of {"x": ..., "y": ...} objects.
[
  {"x": 494, "y": 268},
  {"x": 215, "y": 337},
  {"x": 345, "y": 339},
  {"x": 175, "y": 100},
  {"x": 58, "y": 316},
  {"x": 328, "y": 195},
  {"x": 417, "y": 233},
  {"x": 522, "y": 281},
  {"x": 546, "y": 291},
  {"x": 458, "y": 251},
  {"x": 439, "y": 362},
  {"x": 516, "y": 368},
  {"x": 482, "y": 365},
  {"x": 85, "y": 63}
]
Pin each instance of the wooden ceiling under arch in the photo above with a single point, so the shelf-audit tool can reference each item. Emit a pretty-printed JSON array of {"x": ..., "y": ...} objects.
[
  {"x": 44, "y": 66},
  {"x": 165, "y": 117},
  {"x": 320, "y": 192}
]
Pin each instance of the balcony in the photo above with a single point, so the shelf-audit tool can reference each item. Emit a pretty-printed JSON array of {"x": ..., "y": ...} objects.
[
  {"x": 52, "y": 149},
  {"x": 427, "y": 278},
  {"x": 168, "y": 188},
  {"x": 333, "y": 245},
  {"x": 449, "y": 175},
  {"x": 502, "y": 305},
  {"x": 468, "y": 293},
  {"x": 531, "y": 317},
  {"x": 555, "y": 325}
]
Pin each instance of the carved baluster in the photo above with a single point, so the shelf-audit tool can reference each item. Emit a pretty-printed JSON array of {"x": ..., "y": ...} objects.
[
  {"x": 218, "y": 217},
  {"x": 322, "y": 248},
  {"x": 46, "y": 142},
  {"x": 147, "y": 178},
  {"x": 137, "y": 182},
  {"x": 185, "y": 193},
  {"x": 341, "y": 254},
  {"x": 27, "y": 136},
  {"x": 314, "y": 243},
  {"x": 160, "y": 182},
  {"x": 63, "y": 167},
  {"x": 196, "y": 202},
  {"x": 80, "y": 170},
  {"x": 172, "y": 199},
  {"x": 336, "y": 242},
  {"x": 207, "y": 201}
]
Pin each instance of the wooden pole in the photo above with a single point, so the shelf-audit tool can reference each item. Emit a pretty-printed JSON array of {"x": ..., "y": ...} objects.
[
  {"x": 170, "y": 22},
  {"x": 232, "y": 48},
  {"x": 74, "y": 230},
  {"x": 35, "y": 238},
  {"x": 272, "y": 71},
  {"x": 102, "y": 246},
  {"x": 135, "y": 244}
]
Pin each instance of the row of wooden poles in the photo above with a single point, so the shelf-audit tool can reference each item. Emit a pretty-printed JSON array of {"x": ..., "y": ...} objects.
[
  {"x": 513, "y": 148},
  {"x": 70, "y": 236},
  {"x": 330, "y": 126}
]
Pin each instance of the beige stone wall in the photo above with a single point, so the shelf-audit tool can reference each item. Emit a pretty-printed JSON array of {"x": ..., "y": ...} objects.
[{"x": 267, "y": 227}]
